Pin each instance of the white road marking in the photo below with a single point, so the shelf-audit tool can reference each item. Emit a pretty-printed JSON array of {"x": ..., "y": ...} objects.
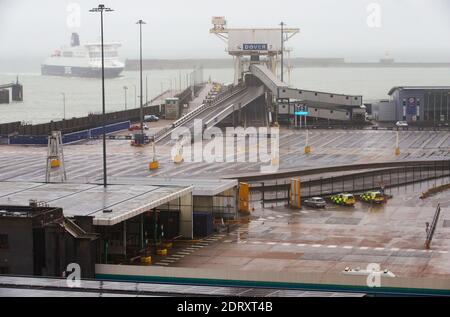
[
  {"x": 332, "y": 246},
  {"x": 348, "y": 247}
]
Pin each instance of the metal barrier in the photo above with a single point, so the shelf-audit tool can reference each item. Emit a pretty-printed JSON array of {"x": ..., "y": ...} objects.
[
  {"x": 69, "y": 137},
  {"x": 278, "y": 190}
]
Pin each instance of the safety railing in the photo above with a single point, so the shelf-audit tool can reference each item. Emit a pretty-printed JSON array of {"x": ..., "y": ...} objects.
[{"x": 194, "y": 113}]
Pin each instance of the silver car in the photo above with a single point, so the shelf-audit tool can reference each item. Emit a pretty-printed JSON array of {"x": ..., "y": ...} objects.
[
  {"x": 315, "y": 202},
  {"x": 402, "y": 124}
]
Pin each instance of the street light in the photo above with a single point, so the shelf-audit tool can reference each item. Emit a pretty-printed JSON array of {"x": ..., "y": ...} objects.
[
  {"x": 141, "y": 22},
  {"x": 282, "y": 49},
  {"x": 64, "y": 105},
  {"x": 125, "y": 88},
  {"x": 101, "y": 8}
]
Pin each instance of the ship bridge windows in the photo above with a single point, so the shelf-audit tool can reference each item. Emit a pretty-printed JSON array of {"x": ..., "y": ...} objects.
[
  {"x": 99, "y": 54},
  {"x": 68, "y": 54}
]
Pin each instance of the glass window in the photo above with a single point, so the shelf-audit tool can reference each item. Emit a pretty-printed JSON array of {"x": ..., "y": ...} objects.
[{"x": 4, "y": 241}]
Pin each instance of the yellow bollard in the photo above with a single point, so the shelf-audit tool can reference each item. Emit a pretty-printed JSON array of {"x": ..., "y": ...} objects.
[
  {"x": 153, "y": 165},
  {"x": 397, "y": 151},
  {"x": 162, "y": 252},
  {"x": 178, "y": 159},
  {"x": 146, "y": 259},
  {"x": 307, "y": 149},
  {"x": 55, "y": 163}
]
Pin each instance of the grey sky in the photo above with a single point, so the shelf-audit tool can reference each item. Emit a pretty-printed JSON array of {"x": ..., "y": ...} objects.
[{"x": 415, "y": 30}]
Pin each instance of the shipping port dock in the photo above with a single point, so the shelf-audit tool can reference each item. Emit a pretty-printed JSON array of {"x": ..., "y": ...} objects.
[
  {"x": 177, "y": 206},
  {"x": 274, "y": 246}
]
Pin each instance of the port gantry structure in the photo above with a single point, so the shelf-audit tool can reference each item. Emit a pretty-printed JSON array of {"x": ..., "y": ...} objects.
[{"x": 256, "y": 77}]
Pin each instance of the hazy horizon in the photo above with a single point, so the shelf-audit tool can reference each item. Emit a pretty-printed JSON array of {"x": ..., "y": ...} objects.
[{"x": 409, "y": 30}]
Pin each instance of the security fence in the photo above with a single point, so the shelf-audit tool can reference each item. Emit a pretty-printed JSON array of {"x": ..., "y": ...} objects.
[{"x": 270, "y": 191}]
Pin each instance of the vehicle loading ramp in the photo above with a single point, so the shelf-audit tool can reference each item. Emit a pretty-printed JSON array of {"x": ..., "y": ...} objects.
[
  {"x": 312, "y": 98},
  {"x": 212, "y": 114}
]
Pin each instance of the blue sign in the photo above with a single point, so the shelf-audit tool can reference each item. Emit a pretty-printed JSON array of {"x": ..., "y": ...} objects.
[
  {"x": 301, "y": 110},
  {"x": 412, "y": 106},
  {"x": 254, "y": 47}
]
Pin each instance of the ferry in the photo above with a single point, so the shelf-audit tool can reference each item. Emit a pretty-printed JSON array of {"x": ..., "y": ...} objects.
[{"x": 84, "y": 60}]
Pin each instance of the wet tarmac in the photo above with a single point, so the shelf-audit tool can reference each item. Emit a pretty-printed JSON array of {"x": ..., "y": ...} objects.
[
  {"x": 329, "y": 147},
  {"x": 327, "y": 241}
]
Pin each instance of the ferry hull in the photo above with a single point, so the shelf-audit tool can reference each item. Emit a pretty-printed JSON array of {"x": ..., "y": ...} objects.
[{"x": 87, "y": 72}]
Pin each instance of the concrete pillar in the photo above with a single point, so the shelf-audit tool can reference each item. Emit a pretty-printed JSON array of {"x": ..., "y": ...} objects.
[
  {"x": 237, "y": 69},
  {"x": 186, "y": 216}
]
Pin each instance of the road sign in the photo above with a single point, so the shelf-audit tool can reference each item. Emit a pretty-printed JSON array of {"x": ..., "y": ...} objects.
[{"x": 301, "y": 110}]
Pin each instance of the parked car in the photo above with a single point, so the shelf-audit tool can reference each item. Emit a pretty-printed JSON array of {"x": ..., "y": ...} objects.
[
  {"x": 134, "y": 128},
  {"x": 343, "y": 199},
  {"x": 315, "y": 202},
  {"x": 401, "y": 124},
  {"x": 151, "y": 118},
  {"x": 373, "y": 196},
  {"x": 137, "y": 127}
]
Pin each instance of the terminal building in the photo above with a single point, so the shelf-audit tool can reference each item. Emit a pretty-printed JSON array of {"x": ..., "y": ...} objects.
[
  {"x": 89, "y": 224},
  {"x": 428, "y": 105}
]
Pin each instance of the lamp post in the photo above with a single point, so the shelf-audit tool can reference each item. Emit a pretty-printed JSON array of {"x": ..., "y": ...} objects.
[
  {"x": 282, "y": 50},
  {"x": 125, "y": 88},
  {"x": 140, "y": 22},
  {"x": 146, "y": 89},
  {"x": 101, "y": 8},
  {"x": 64, "y": 105}
]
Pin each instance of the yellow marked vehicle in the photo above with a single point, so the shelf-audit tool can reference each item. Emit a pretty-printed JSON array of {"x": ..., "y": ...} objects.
[
  {"x": 373, "y": 197},
  {"x": 343, "y": 199}
]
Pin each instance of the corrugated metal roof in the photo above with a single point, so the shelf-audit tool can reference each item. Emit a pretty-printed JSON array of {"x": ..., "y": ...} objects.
[
  {"x": 393, "y": 89},
  {"x": 122, "y": 201}
]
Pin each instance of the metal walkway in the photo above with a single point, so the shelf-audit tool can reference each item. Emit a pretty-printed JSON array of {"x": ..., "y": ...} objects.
[
  {"x": 313, "y": 98},
  {"x": 211, "y": 114}
]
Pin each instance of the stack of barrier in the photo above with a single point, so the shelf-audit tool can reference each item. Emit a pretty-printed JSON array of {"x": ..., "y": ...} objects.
[{"x": 69, "y": 137}]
